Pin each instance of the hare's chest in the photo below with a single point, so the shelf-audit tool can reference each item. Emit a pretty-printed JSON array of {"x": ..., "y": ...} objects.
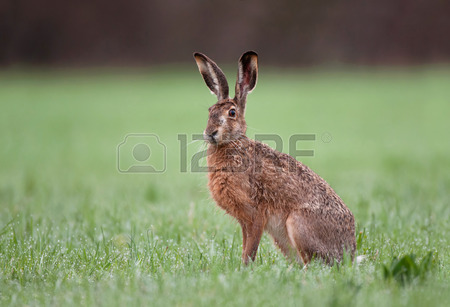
[{"x": 231, "y": 193}]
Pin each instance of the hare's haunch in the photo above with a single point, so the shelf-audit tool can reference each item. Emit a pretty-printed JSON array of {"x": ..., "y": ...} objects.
[{"x": 264, "y": 189}]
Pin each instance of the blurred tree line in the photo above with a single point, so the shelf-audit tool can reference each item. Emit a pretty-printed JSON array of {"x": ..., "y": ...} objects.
[{"x": 286, "y": 32}]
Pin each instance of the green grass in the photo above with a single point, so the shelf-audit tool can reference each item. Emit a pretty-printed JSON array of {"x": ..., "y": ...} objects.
[{"x": 75, "y": 231}]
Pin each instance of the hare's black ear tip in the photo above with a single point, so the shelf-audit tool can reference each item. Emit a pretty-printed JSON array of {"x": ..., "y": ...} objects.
[
  {"x": 198, "y": 55},
  {"x": 249, "y": 56}
]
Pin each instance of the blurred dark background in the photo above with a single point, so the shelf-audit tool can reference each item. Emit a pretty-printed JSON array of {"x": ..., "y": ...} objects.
[{"x": 286, "y": 32}]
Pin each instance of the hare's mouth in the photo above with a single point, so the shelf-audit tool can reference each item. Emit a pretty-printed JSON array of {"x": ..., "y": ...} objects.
[{"x": 212, "y": 138}]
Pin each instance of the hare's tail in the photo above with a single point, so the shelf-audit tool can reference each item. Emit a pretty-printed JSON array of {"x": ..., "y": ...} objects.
[{"x": 360, "y": 259}]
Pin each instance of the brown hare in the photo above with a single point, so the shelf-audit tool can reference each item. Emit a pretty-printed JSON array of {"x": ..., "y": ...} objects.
[{"x": 264, "y": 189}]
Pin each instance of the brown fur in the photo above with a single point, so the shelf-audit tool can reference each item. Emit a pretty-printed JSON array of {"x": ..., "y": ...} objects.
[{"x": 266, "y": 190}]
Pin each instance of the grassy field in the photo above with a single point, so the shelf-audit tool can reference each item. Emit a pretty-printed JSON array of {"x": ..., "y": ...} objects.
[{"x": 76, "y": 231}]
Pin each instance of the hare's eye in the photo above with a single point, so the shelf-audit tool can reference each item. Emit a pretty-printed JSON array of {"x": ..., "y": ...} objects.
[{"x": 232, "y": 112}]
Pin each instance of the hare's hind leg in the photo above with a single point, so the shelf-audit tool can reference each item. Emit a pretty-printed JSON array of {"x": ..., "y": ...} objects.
[
  {"x": 276, "y": 227},
  {"x": 301, "y": 237},
  {"x": 285, "y": 248}
]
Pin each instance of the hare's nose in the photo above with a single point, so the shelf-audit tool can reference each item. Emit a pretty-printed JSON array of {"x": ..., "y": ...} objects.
[{"x": 211, "y": 137}]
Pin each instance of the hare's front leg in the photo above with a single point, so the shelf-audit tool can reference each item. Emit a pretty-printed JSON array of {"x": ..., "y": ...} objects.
[
  {"x": 244, "y": 236},
  {"x": 254, "y": 231}
]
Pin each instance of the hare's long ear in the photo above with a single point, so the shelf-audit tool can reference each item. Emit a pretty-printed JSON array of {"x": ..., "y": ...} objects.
[
  {"x": 213, "y": 75},
  {"x": 247, "y": 76}
]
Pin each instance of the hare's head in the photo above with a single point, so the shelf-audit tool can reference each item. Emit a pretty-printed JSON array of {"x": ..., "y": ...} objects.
[{"x": 226, "y": 118}]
